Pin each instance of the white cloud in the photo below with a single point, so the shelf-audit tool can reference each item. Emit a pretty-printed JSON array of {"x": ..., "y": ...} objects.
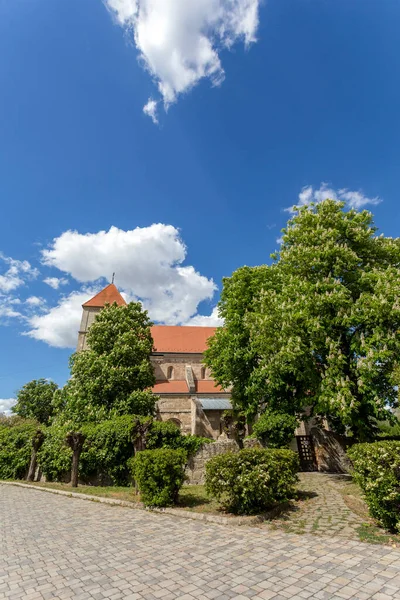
[
  {"x": 6, "y": 404},
  {"x": 213, "y": 320},
  {"x": 17, "y": 273},
  {"x": 148, "y": 263},
  {"x": 55, "y": 282},
  {"x": 179, "y": 41},
  {"x": 353, "y": 199},
  {"x": 35, "y": 301},
  {"x": 150, "y": 109},
  {"x": 279, "y": 240},
  {"x": 59, "y": 326}
]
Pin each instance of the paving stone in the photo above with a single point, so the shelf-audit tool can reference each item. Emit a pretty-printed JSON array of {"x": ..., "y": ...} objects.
[{"x": 57, "y": 547}]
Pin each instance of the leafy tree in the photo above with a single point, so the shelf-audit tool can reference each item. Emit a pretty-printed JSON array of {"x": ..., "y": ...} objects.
[
  {"x": 324, "y": 334},
  {"x": 114, "y": 375},
  {"x": 35, "y": 400},
  {"x": 231, "y": 355},
  {"x": 275, "y": 430}
]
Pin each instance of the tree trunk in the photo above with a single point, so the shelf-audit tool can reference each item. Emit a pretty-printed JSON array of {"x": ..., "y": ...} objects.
[
  {"x": 75, "y": 441},
  {"x": 37, "y": 441}
]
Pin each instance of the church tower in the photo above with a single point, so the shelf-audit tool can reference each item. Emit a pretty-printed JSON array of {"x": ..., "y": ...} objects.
[{"x": 92, "y": 307}]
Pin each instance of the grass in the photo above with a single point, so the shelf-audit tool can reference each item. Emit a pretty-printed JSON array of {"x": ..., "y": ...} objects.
[
  {"x": 369, "y": 531},
  {"x": 191, "y": 497}
]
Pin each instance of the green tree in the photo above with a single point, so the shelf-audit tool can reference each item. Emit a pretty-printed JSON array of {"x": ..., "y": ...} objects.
[
  {"x": 325, "y": 333},
  {"x": 35, "y": 400},
  {"x": 114, "y": 375}
]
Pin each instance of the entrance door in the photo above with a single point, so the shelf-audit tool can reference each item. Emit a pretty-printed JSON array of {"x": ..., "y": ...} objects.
[{"x": 306, "y": 450}]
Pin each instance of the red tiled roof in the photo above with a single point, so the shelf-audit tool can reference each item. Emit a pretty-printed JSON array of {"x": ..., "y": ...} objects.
[
  {"x": 204, "y": 386},
  {"x": 109, "y": 295},
  {"x": 185, "y": 339},
  {"x": 177, "y": 386},
  {"x": 173, "y": 386}
]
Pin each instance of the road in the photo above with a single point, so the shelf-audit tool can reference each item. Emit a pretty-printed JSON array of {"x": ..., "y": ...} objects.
[{"x": 58, "y": 547}]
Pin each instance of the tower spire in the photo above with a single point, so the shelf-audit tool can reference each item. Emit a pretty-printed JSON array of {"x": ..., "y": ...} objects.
[{"x": 113, "y": 277}]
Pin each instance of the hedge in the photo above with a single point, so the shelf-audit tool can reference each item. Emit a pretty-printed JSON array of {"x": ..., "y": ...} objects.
[
  {"x": 159, "y": 475},
  {"x": 274, "y": 429},
  {"x": 252, "y": 480},
  {"x": 164, "y": 434},
  {"x": 377, "y": 471},
  {"x": 16, "y": 447}
]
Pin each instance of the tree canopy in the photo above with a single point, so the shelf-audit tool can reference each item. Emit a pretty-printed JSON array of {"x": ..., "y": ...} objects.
[
  {"x": 113, "y": 376},
  {"x": 319, "y": 327},
  {"x": 35, "y": 400}
]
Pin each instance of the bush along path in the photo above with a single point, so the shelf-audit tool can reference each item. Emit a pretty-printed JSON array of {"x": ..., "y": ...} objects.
[{"x": 321, "y": 509}]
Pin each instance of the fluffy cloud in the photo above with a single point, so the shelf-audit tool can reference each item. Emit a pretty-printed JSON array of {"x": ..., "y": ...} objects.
[
  {"x": 55, "y": 282},
  {"x": 6, "y": 404},
  {"x": 149, "y": 267},
  {"x": 150, "y": 109},
  {"x": 179, "y": 40},
  {"x": 35, "y": 301},
  {"x": 16, "y": 274},
  {"x": 59, "y": 326},
  {"x": 353, "y": 199},
  {"x": 213, "y": 320}
]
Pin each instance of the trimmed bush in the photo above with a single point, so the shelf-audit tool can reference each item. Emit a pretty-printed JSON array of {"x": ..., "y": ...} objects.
[
  {"x": 275, "y": 430},
  {"x": 16, "y": 447},
  {"x": 164, "y": 434},
  {"x": 54, "y": 457},
  {"x": 377, "y": 471},
  {"x": 106, "y": 451},
  {"x": 159, "y": 475},
  {"x": 252, "y": 480}
]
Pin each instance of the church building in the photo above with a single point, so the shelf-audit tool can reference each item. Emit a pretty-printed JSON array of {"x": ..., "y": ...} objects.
[{"x": 188, "y": 395}]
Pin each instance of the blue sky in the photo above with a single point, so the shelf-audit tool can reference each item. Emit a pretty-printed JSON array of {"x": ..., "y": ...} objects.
[{"x": 255, "y": 102}]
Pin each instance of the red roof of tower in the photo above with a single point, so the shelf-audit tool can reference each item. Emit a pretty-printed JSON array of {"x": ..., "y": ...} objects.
[
  {"x": 109, "y": 295},
  {"x": 181, "y": 339}
]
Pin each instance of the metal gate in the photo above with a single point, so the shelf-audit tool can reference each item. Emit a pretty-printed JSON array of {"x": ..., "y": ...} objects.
[{"x": 306, "y": 450}]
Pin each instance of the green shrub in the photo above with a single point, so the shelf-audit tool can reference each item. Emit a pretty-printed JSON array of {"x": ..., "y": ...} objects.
[
  {"x": 164, "y": 434},
  {"x": 15, "y": 447},
  {"x": 253, "y": 479},
  {"x": 377, "y": 471},
  {"x": 275, "y": 430},
  {"x": 107, "y": 449},
  {"x": 159, "y": 475},
  {"x": 54, "y": 457}
]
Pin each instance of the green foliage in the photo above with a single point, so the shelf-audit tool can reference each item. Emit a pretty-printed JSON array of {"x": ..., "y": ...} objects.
[
  {"x": 54, "y": 456},
  {"x": 114, "y": 375},
  {"x": 319, "y": 326},
  {"x": 159, "y": 475},
  {"x": 252, "y": 480},
  {"x": 35, "y": 400},
  {"x": 107, "y": 449},
  {"x": 16, "y": 447},
  {"x": 274, "y": 429},
  {"x": 377, "y": 471},
  {"x": 164, "y": 434}
]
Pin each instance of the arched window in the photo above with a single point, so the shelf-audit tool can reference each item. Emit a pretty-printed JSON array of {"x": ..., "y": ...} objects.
[
  {"x": 175, "y": 422},
  {"x": 170, "y": 372},
  {"x": 203, "y": 372}
]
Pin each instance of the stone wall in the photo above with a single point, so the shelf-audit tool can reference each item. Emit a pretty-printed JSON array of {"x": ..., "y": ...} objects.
[
  {"x": 330, "y": 451},
  {"x": 195, "y": 469}
]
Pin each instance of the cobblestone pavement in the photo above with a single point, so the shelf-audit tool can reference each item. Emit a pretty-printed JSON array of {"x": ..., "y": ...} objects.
[
  {"x": 322, "y": 509},
  {"x": 57, "y": 547}
]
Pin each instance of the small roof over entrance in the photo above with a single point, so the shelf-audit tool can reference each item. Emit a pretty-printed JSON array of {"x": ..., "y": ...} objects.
[{"x": 215, "y": 403}]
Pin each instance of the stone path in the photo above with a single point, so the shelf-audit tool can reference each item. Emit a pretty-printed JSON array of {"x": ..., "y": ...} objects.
[
  {"x": 56, "y": 547},
  {"x": 321, "y": 510}
]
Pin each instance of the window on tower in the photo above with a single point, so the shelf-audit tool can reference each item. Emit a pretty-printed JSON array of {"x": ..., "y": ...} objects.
[{"x": 170, "y": 372}]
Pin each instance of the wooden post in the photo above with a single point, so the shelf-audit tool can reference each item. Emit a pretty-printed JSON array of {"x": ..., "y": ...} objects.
[
  {"x": 75, "y": 441},
  {"x": 37, "y": 441}
]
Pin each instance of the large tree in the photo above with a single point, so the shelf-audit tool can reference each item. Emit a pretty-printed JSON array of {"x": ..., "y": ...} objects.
[
  {"x": 113, "y": 376},
  {"x": 325, "y": 334},
  {"x": 35, "y": 400}
]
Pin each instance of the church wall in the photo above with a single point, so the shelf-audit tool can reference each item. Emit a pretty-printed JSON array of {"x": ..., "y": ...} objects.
[
  {"x": 178, "y": 363},
  {"x": 176, "y": 408}
]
